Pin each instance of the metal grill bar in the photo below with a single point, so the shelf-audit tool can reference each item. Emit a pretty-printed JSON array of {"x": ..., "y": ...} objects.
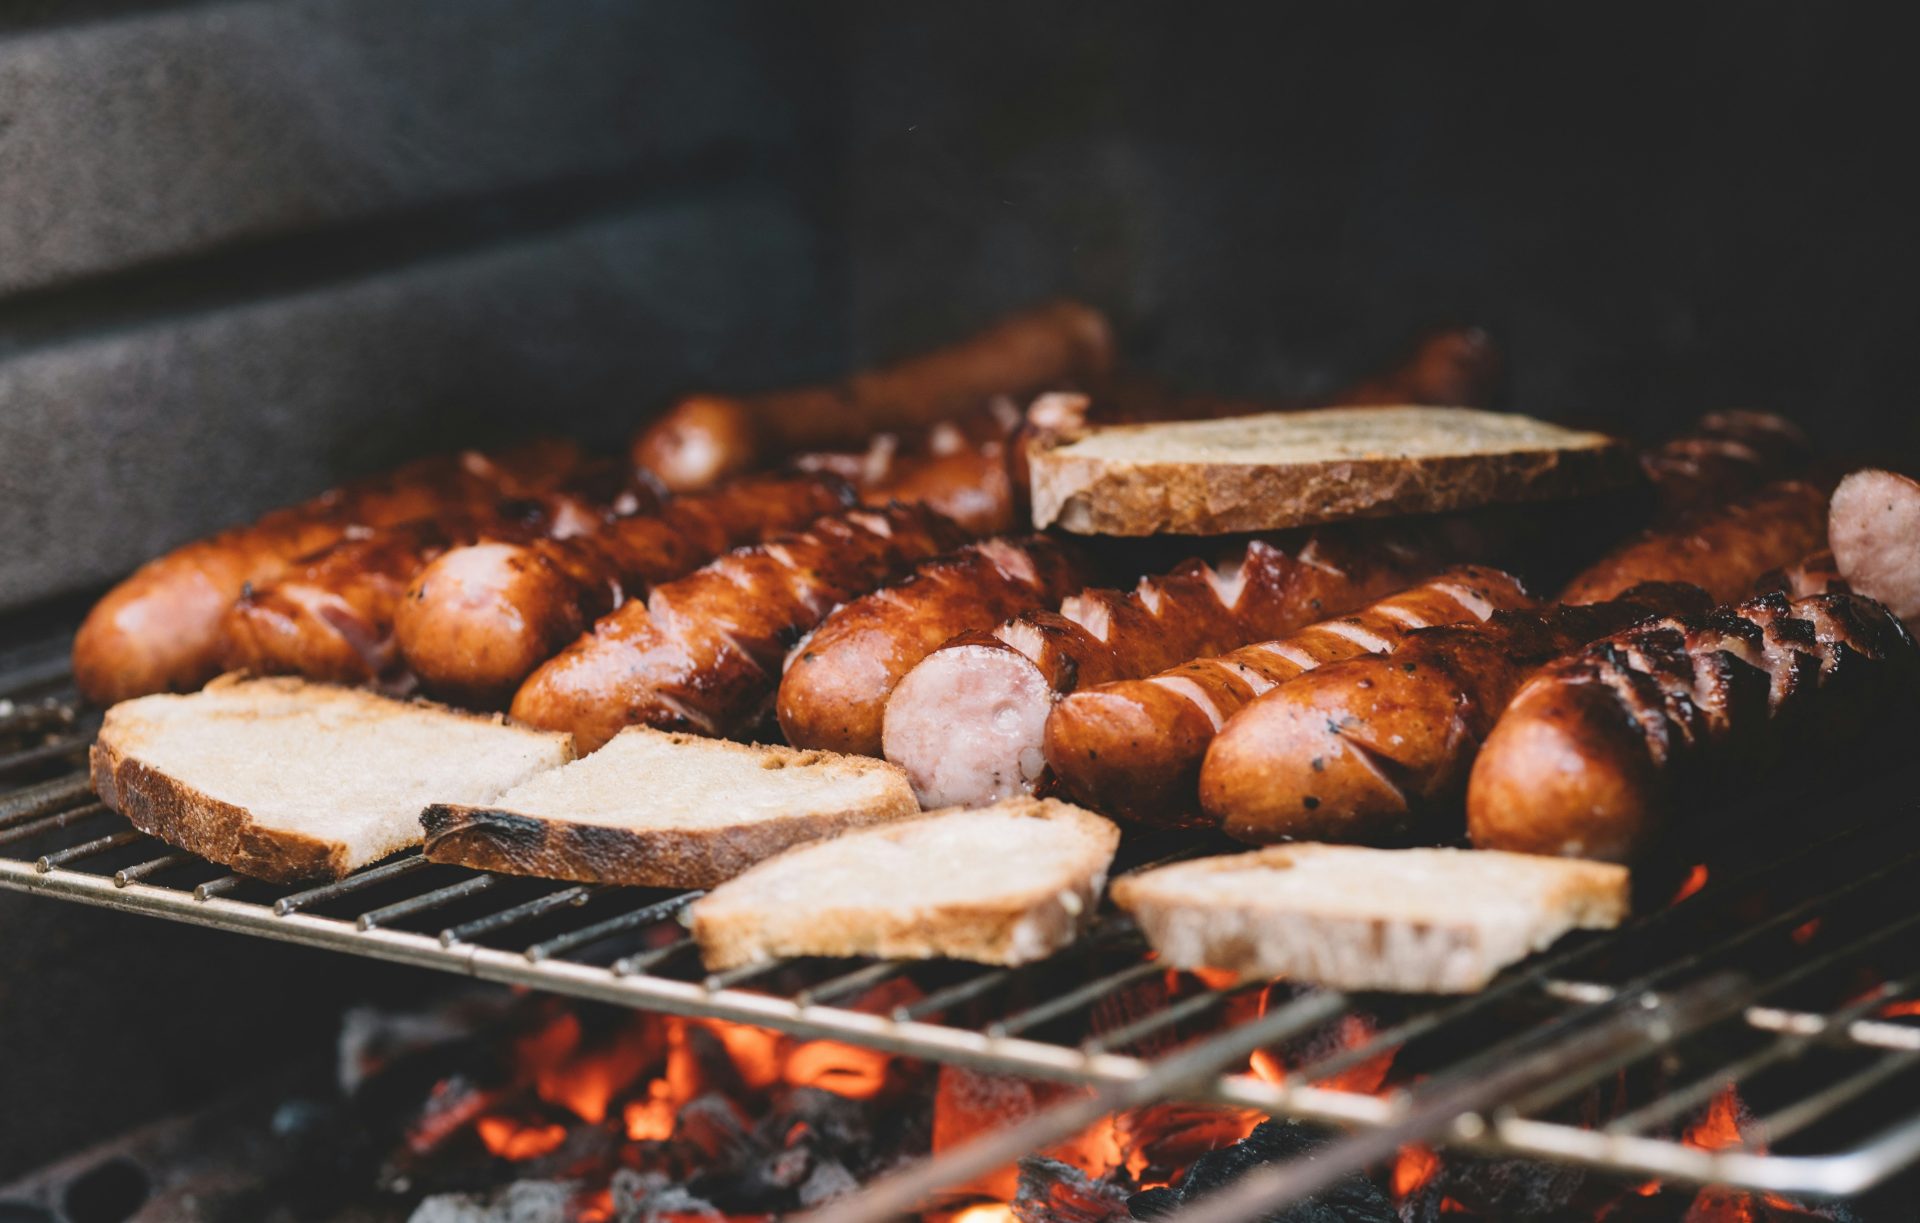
[{"x": 1043, "y": 1020}]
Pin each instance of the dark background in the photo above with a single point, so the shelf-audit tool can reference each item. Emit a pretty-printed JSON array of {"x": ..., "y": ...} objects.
[{"x": 247, "y": 249}]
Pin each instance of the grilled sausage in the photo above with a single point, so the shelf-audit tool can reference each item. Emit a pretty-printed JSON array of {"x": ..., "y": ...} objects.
[
  {"x": 476, "y": 621},
  {"x": 703, "y": 653},
  {"x": 1366, "y": 750},
  {"x": 968, "y": 722},
  {"x": 1874, "y": 526},
  {"x": 1724, "y": 550},
  {"x": 837, "y": 682},
  {"x": 1595, "y": 753},
  {"x": 1725, "y": 454},
  {"x": 708, "y": 437},
  {"x": 159, "y": 630},
  {"x": 1133, "y": 748},
  {"x": 1454, "y": 367},
  {"x": 1813, "y": 574}
]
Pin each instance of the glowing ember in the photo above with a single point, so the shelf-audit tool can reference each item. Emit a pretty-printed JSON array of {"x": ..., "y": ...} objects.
[
  {"x": 651, "y": 1119},
  {"x": 509, "y": 1139},
  {"x": 1805, "y": 933},
  {"x": 986, "y": 1212},
  {"x": 1901, "y": 1009},
  {"x": 1414, "y": 1168},
  {"x": 1719, "y": 1128},
  {"x": 1696, "y": 879},
  {"x": 845, "y": 1070}
]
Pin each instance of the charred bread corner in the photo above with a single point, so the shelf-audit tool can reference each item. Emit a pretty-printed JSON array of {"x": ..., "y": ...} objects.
[{"x": 662, "y": 809}]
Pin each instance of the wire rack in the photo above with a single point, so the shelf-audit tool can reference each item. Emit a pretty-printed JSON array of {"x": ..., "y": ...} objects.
[{"x": 1792, "y": 975}]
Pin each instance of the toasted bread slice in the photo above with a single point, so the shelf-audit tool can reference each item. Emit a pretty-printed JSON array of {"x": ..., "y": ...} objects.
[
  {"x": 1439, "y": 921},
  {"x": 667, "y": 810},
  {"x": 1004, "y": 884},
  {"x": 289, "y": 780},
  {"x": 1285, "y": 469}
]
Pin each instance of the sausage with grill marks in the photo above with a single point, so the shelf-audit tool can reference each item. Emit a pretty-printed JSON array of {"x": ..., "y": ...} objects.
[
  {"x": 160, "y": 629},
  {"x": 706, "y": 438},
  {"x": 1133, "y": 748},
  {"x": 1595, "y": 755},
  {"x": 702, "y": 653},
  {"x": 835, "y": 690},
  {"x": 1725, "y": 550},
  {"x": 1370, "y": 749},
  {"x": 968, "y": 722},
  {"x": 477, "y": 620}
]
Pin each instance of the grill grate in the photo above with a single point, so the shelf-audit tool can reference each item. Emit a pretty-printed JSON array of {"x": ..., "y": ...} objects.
[{"x": 1794, "y": 979}]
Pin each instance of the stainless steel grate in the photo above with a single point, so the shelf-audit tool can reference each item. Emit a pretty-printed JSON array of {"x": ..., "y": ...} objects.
[{"x": 1794, "y": 978}]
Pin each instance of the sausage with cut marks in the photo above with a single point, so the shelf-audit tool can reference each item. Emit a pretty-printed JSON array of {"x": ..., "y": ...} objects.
[
  {"x": 703, "y": 652},
  {"x": 476, "y": 621},
  {"x": 835, "y": 690},
  {"x": 1369, "y": 749},
  {"x": 1724, "y": 550},
  {"x": 1725, "y": 454},
  {"x": 968, "y": 723},
  {"x": 1600, "y": 751},
  {"x": 1133, "y": 748},
  {"x": 160, "y": 629}
]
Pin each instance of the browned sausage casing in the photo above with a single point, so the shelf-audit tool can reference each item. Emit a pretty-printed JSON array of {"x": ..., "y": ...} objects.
[
  {"x": 1589, "y": 759},
  {"x": 475, "y": 622},
  {"x": 159, "y": 631},
  {"x": 1725, "y": 550},
  {"x": 1368, "y": 749},
  {"x": 968, "y": 723},
  {"x": 1724, "y": 455},
  {"x": 703, "y": 653},
  {"x": 837, "y": 682},
  {"x": 708, "y": 437},
  {"x": 1133, "y": 748}
]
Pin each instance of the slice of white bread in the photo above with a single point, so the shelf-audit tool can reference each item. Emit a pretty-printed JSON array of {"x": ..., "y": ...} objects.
[
  {"x": 667, "y": 810},
  {"x": 1285, "y": 469},
  {"x": 287, "y": 780},
  {"x": 1441, "y": 921},
  {"x": 1004, "y": 884}
]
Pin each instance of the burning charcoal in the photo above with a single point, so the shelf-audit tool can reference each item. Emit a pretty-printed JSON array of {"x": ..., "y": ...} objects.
[
  {"x": 1353, "y": 1200},
  {"x": 520, "y": 1202},
  {"x": 828, "y": 1181},
  {"x": 1165, "y": 1138},
  {"x": 652, "y": 1197},
  {"x": 1054, "y": 1192},
  {"x": 1497, "y": 1188},
  {"x": 712, "y": 1123}
]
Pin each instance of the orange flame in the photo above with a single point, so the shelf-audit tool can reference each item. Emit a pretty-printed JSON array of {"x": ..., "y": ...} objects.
[
  {"x": 1414, "y": 1168},
  {"x": 1719, "y": 1128},
  {"x": 845, "y": 1070},
  {"x": 986, "y": 1212},
  {"x": 1805, "y": 933},
  {"x": 1899, "y": 1010},
  {"x": 1696, "y": 879},
  {"x": 509, "y": 1139}
]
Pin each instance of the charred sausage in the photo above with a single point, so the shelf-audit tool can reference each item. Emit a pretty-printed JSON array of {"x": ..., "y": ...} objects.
[
  {"x": 1724, "y": 550},
  {"x": 160, "y": 629},
  {"x": 703, "y": 653},
  {"x": 1133, "y": 748},
  {"x": 837, "y": 682},
  {"x": 477, "y": 620},
  {"x": 1368, "y": 749},
  {"x": 708, "y": 437},
  {"x": 1592, "y": 755},
  {"x": 1724, "y": 455},
  {"x": 968, "y": 722},
  {"x": 1874, "y": 527}
]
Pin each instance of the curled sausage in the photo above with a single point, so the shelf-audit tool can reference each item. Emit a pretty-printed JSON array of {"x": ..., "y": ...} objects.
[
  {"x": 477, "y": 620},
  {"x": 705, "y": 438},
  {"x": 1133, "y": 748},
  {"x": 1874, "y": 527},
  {"x": 702, "y": 653},
  {"x": 1366, "y": 750},
  {"x": 1724, "y": 550},
  {"x": 835, "y": 690},
  {"x": 160, "y": 629},
  {"x": 968, "y": 722},
  {"x": 1593, "y": 755}
]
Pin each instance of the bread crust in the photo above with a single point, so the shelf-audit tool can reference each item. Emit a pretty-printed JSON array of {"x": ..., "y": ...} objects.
[
  {"x": 1094, "y": 495},
  {"x": 1002, "y": 929},
  {"x": 490, "y": 839}
]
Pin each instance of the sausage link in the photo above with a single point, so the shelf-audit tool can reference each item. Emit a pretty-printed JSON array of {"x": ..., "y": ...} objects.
[
  {"x": 703, "y": 653},
  {"x": 477, "y": 620},
  {"x": 1368, "y": 749},
  {"x": 1596, "y": 753},
  {"x": 968, "y": 722},
  {"x": 1133, "y": 748},
  {"x": 707, "y": 437},
  {"x": 160, "y": 629},
  {"x": 1725, "y": 550},
  {"x": 837, "y": 682},
  {"x": 1726, "y": 454},
  {"x": 1875, "y": 530},
  {"x": 1454, "y": 367}
]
